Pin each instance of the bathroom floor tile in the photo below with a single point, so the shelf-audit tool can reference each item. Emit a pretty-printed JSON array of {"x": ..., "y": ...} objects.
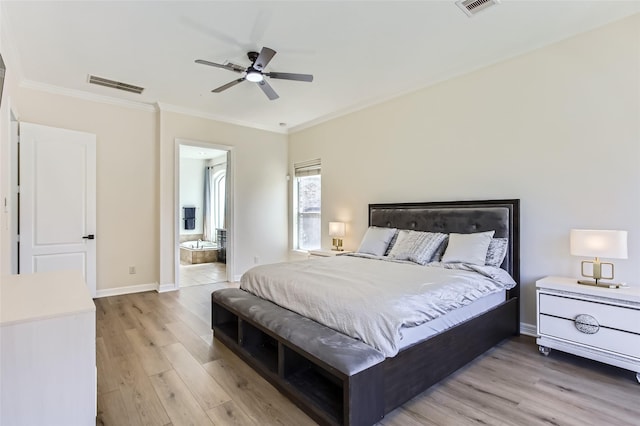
[{"x": 202, "y": 273}]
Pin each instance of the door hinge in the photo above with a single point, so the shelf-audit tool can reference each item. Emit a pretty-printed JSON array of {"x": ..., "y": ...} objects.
[{"x": 18, "y": 189}]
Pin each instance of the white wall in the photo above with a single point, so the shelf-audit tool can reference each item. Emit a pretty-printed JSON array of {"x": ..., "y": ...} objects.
[
  {"x": 192, "y": 191},
  {"x": 7, "y": 103},
  {"x": 558, "y": 128}
]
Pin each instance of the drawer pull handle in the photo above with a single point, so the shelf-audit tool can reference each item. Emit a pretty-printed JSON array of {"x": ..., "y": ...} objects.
[{"x": 586, "y": 324}]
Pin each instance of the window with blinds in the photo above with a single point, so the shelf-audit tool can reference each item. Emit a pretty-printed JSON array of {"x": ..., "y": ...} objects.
[{"x": 306, "y": 205}]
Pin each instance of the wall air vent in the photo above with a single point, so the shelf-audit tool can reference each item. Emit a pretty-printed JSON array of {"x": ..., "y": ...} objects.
[
  {"x": 115, "y": 84},
  {"x": 472, "y": 7}
]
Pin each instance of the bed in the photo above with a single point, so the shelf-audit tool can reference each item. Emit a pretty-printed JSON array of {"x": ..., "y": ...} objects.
[{"x": 338, "y": 379}]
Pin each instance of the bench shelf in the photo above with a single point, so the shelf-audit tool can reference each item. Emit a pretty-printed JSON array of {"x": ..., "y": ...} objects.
[{"x": 329, "y": 396}]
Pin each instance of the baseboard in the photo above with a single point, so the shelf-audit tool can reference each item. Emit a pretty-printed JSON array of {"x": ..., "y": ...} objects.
[
  {"x": 236, "y": 278},
  {"x": 163, "y": 288},
  {"x": 117, "y": 291},
  {"x": 528, "y": 329}
]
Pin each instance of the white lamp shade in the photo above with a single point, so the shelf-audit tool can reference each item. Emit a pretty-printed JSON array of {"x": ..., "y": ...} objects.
[
  {"x": 336, "y": 229},
  {"x": 599, "y": 243}
]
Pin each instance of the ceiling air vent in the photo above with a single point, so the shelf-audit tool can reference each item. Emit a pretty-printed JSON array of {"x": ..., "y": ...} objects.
[
  {"x": 115, "y": 84},
  {"x": 472, "y": 7}
]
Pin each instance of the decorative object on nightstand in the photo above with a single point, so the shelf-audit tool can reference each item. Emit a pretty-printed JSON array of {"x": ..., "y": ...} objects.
[
  {"x": 336, "y": 232},
  {"x": 597, "y": 244},
  {"x": 592, "y": 322}
]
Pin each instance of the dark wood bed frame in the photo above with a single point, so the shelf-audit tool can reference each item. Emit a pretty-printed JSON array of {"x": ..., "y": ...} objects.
[{"x": 349, "y": 400}]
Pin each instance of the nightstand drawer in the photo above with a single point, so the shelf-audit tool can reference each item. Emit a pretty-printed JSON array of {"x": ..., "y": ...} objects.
[
  {"x": 610, "y": 316},
  {"x": 604, "y": 338}
]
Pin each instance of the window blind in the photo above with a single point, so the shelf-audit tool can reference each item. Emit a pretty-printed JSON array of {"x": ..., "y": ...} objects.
[{"x": 307, "y": 168}]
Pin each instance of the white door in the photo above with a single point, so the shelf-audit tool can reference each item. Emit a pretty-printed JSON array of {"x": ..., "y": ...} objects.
[{"x": 57, "y": 201}]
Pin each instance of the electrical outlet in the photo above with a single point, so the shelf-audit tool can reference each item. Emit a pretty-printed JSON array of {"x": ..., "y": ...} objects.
[{"x": 132, "y": 270}]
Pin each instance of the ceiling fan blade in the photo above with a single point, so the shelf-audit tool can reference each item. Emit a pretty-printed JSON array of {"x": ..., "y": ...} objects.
[
  {"x": 228, "y": 85},
  {"x": 290, "y": 76},
  {"x": 264, "y": 58},
  {"x": 268, "y": 90},
  {"x": 238, "y": 68},
  {"x": 230, "y": 67}
]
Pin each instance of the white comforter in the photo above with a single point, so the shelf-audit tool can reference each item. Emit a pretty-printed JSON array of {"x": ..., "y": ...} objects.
[{"x": 372, "y": 299}]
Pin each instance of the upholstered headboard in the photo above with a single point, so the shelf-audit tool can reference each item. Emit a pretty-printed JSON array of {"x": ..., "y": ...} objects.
[{"x": 501, "y": 216}]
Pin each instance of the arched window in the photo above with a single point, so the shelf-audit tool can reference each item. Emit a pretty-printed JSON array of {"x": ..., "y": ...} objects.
[{"x": 219, "y": 181}]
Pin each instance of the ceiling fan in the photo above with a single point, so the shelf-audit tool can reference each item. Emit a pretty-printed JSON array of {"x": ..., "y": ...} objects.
[{"x": 255, "y": 72}]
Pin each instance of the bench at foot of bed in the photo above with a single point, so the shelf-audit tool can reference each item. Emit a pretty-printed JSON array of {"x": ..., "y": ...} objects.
[{"x": 334, "y": 378}]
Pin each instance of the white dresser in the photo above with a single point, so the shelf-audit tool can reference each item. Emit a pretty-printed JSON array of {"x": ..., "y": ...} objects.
[
  {"x": 47, "y": 350},
  {"x": 597, "y": 323}
]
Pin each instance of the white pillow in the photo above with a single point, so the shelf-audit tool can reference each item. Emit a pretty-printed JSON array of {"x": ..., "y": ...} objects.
[
  {"x": 468, "y": 248},
  {"x": 376, "y": 240}
]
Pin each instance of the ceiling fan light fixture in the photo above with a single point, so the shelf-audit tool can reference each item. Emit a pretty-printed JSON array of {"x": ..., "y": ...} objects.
[{"x": 254, "y": 76}]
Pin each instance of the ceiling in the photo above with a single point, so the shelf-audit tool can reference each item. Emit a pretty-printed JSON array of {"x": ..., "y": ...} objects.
[{"x": 360, "y": 52}]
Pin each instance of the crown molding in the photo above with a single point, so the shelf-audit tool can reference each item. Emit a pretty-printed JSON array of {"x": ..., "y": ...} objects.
[
  {"x": 162, "y": 106},
  {"x": 80, "y": 94}
]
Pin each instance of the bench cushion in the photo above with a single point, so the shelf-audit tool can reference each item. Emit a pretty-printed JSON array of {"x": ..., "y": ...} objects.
[{"x": 346, "y": 354}]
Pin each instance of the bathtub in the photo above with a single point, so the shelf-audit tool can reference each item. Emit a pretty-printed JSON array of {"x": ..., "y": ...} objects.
[
  {"x": 196, "y": 245},
  {"x": 193, "y": 252}
]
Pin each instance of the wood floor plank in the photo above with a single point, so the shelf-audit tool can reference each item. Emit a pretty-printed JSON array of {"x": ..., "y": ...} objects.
[
  {"x": 181, "y": 406},
  {"x": 154, "y": 328},
  {"x": 127, "y": 319},
  {"x": 229, "y": 414},
  {"x": 154, "y": 360},
  {"x": 204, "y": 388},
  {"x": 112, "y": 332},
  {"x": 199, "y": 325},
  {"x": 512, "y": 384},
  {"x": 140, "y": 399},
  {"x": 107, "y": 381},
  {"x": 254, "y": 395},
  {"x": 403, "y": 417},
  {"x": 163, "y": 314},
  {"x": 201, "y": 350},
  {"x": 111, "y": 410},
  {"x": 101, "y": 308}
]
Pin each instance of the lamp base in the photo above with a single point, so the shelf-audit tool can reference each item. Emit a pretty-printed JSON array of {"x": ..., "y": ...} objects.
[{"x": 600, "y": 284}]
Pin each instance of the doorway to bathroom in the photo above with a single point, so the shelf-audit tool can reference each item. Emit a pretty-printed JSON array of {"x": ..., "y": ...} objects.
[{"x": 202, "y": 205}]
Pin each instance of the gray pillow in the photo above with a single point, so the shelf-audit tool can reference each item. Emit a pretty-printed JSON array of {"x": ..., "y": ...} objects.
[
  {"x": 416, "y": 246},
  {"x": 402, "y": 248},
  {"x": 392, "y": 243},
  {"x": 376, "y": 240},
  {"x": 427, "y": 244},
  {"x": 496, "y": 252},
  {"x": 468, "y": 248}
]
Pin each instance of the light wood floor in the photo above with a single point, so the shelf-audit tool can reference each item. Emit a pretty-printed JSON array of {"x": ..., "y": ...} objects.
[{"x": 159, "y": 365}]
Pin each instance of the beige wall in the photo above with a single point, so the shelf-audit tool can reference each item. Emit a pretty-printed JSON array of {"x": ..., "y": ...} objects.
[
  {"x": 258, "y": 168},
  {"x": 558, "y": 128},
  {"x": 127, "y": 202},
  {"x": 136, "y": 220}
]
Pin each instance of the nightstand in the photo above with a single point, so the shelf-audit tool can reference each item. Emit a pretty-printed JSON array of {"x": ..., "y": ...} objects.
[
  {"x": 326, "y": 253},
  {"x": 598, "y": 323}
]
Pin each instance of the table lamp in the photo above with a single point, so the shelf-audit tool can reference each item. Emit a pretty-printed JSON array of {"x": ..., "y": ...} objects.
[
  {"x": 336, "y": 232},
  {"x": 597, "y": 244}
]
